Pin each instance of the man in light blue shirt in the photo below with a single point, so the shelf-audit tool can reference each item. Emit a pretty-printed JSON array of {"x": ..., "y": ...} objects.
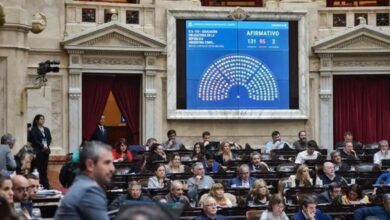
[{"x": 276, "y": 143}]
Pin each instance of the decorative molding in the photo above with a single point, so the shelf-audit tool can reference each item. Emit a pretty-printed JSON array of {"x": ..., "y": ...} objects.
[
  {"x": 131, "y": 42},
  {"x": 150, "y": 95},
  {"x": 74, "y": 96},
  {"x": 113, "y": 60},
  {"x": 360, "y": 42},
  {"x": 361, "y": 63},
  {"x": 75, "y": 59},
  {"x": 238, "y": 14},
  {"x": 75, "y": 51},
  {"x": 325, "y": 96},
  {"x": 152, "y": 53}
]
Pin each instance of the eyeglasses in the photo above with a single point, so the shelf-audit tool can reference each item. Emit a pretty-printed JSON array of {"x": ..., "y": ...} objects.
[
  {"x": 22, "y": 189},
  {"x": 211, "y": 205}
]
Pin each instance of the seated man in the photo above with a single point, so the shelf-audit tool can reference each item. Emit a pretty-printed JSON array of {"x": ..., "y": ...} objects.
[
  {"x": 377, "y": 211},
  {"x": 309, "y": 154},
  {"x": 329, "y": 176},
  {"x": 33, "y": 185},
  {"x": 172, "y": 143},
  {"x": 209, "y": 145},
  {"x": 383, "y": 153},
  {"x": 210, "y": 210},
  {"x": 348, "y": 137},
  {"x": 21, "y": 195},
  {"x": 339, "y": 165},
  {"x": 328, "y": 196},
  {"x": 384, "y": 179},
  {"x": 276, "y": 143},
  {"x": 7, "y": 160},
  {"x": 176, "y": 194},
  {"x": 209, "y": 163},
  {"x": 244, "y": 180},
  {"x": 309, "y": 211},
  {"x": 256, "y": 165},
  {"x": 134, "y": 193},
  {"x": 198, "y": 182},
  {"x": 347, "y": 152},
  {"x": 301, "y": 144}
]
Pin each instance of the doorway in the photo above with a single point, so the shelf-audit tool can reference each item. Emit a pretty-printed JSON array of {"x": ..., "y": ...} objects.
[
  {"x": 362, "y": 106},
  {"x": 117, "y": 97}
]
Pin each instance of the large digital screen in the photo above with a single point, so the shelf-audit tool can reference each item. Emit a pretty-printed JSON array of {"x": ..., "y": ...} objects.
[{"x": 235, "y": 65}]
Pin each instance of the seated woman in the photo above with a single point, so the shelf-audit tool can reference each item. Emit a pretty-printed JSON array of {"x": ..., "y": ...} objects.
[
  {"x": 258, "y": 194},
  {"x": 198, "y": 152},
  {"x": 224, "y": 200},
  {"x": 120, "y": 152},
  {"x": 175, "y": 165},
  {"x": 225, "y": 154},
  {"x": 301, "y": 178},
  {"x": 159, "y": 180},
  {"x": 275, "y": 209},
  {"x": 354, "y": 196},
  {"x": 157, "y": 155}
]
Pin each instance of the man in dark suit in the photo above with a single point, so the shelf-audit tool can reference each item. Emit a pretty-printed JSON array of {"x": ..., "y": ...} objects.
[
  {"x": 101, "y": 133},
  {"x": 244, "y": 180},
  {"x": 86, "y": 198}
]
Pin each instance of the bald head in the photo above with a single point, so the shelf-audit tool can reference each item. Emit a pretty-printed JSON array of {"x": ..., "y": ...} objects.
[{"x": 20, "y": 188}]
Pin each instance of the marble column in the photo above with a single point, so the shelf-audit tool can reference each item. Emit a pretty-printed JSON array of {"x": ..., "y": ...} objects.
[
  {"x": 150, "y": 95},
  {"x": 75, "y": 116},
  {"x": 326, "y": 102}
]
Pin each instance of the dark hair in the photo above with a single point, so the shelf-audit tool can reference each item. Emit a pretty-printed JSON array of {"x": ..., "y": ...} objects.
[
  {"x": 143, "y": 211},
  {"x": 275, "y": 133},
  {"x": 309, "y": 199},
  {"x": 158, "y": 165},
  {"x": 134, "y": 183},
  {"x": 299, "y": 133},
  {"x": 91, "y": 151},
  {"x": 275, "y": 199},
  {"x": 6, "y": 210},
  {"x": 150, "y": 140},
  {"x": 36, "y": 119},
  {"x": 205, "y": 133},
  {"x": 175, "y": 154},
  {"x": 334, "y": 185},
  {"x": 4, "y": 178},
  {"x": 154, "y": 147},
  {"x": 313, "y": 144},
  {"x": 171, "y": 132},
  {"x": 355, "y": 188},
  {"x": 119, "y": 143},
  {"x": 209, "y": 156}
]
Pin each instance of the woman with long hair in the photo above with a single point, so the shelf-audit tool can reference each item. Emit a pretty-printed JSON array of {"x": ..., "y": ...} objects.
[
  {"x": 174, "y": 165},
  {"x": 258, "y": 194},
  {"x": 354, "y": 196},
  {"x": 225, "y": 154},
  {"x": 301, "y": 178},
  {"x": 121, "y": 153},
  {"x": 198, "y": 152},
  {"x": 6, "y": 189},
  {"x": 40, "y": 138}
]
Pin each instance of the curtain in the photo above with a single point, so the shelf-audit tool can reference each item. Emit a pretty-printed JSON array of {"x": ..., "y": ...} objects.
[
  {"x": 126, "y": 90},
  {"x": 97, "y": 89},
  {"x": 362, "y": 106}
]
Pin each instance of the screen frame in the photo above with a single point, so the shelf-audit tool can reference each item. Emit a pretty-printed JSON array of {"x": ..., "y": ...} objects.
[{"x": 253, "y": 15}]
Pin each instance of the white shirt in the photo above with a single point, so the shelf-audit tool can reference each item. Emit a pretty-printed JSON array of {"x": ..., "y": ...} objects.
[
  {"x": 379, "y": 156},
  {"x": 303, "y": 156}
]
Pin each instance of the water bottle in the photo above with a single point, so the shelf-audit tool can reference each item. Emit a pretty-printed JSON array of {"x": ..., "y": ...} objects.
[
  {"x": 35, "y": 173},
  {"x": 36, "y": 214}
]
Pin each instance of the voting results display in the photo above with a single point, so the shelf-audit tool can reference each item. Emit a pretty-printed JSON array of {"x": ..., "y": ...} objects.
[{"x": 236, "y": 64}]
